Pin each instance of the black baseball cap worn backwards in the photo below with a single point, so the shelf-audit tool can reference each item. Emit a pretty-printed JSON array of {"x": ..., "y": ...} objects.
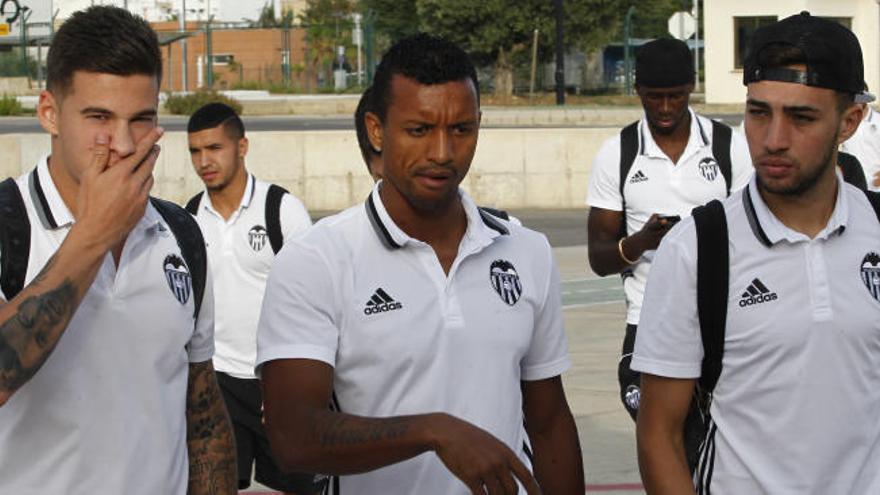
[
  {"x": 832, "y": 53},
  {"x": 664, "y": 63}
]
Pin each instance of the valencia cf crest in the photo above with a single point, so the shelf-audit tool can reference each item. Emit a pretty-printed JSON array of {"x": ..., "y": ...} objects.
[
  {"x": 505, "y": 281},
  {"x": 871, "y": 274},
  {"x": 257, "y": 237},
  {"x": 178, "y": 277},
  {"x": 709, "y": 168}
]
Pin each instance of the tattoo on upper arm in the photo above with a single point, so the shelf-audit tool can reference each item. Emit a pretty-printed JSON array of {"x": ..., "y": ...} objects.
[
  {"x": 212, "y": 468},
  {"x": 28, "y": 337},
  {"x": 339, "y": 430}
]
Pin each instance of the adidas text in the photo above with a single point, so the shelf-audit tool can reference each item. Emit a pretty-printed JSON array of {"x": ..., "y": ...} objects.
[
  {"x": 757, "y": 299},
  {"x": 381, "y": 308}
]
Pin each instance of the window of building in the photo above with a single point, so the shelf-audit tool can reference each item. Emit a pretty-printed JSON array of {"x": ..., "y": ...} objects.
[
  {"x": 743, "y": 29},
  {"x": 222, "y": 58}
]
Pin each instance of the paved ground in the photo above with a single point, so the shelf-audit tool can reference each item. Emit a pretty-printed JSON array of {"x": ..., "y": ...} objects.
[{"x": 594, "y": 315}]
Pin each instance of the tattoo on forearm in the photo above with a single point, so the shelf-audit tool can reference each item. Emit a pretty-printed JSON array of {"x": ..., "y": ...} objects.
[
  {"x": 339, "y": 430},
  {"x": 29, "y": 336},
  {"x": 212, "y": 468}
]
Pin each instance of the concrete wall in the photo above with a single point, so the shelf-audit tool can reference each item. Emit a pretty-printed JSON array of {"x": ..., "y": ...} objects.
[
  {"x": 724, "y": 81},
  {"x": 513, "y": 168}
]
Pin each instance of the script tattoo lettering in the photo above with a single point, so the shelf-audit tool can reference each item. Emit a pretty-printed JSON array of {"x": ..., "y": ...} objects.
[
  {"x": 212, "y": 468},
  {"x": 28, "y": 337},
  {"x": 344, "y": 431}
]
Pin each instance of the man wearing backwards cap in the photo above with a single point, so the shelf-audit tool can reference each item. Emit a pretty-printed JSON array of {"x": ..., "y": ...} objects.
[
  {"x": 795, "y": 408},
  {"x": 674, "y": 167}
]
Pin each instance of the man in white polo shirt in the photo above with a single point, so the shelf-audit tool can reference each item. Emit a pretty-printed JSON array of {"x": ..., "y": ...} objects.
[
  {"x": 432, "y": 328},
  {"x": 106, "y": 339},
  {"x": 795, "y": 407},
  {"x": 244, "y": 220},
  {"x": 651, "y": 175}
]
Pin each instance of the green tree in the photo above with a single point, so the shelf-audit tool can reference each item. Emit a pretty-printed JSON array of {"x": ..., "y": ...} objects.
[
  {"x": 499, "y": 32},
  {"x": 328, "y": 24},
  {"x": 268, "y": 20}
]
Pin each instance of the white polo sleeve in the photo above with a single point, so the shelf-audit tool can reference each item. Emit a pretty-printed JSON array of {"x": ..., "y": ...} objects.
[
  {"x": 740, "y": 161},
  {"x": 294, "y": 217},
  {"x": 299, "y": 319},
  {"x": 604, "y": 188},
  {"x": 548, "y": 353},
  {"x": 201, "y": 345},
  {"x": 668, "y": 339}
]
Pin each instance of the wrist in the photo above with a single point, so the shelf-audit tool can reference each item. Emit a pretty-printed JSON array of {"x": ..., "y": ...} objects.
[
  {"x": 625, "y": 254},
  {"x": 86, "y": 244},
  {"x": 430, "y": 428}
]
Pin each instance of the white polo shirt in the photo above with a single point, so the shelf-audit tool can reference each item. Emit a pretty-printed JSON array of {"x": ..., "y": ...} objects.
[
  {"x": 241, "y": 256},
  {"x": 797, "y": 404},
  {"x": 657, "y": 185},
  {"x": 404, "y": 338},
  {"x": 865, "y": 145},
  {"x": 107, "y": 411}
]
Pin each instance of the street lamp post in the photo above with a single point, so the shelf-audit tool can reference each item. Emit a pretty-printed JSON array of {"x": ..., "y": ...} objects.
[{"x": 560, "y": 54}]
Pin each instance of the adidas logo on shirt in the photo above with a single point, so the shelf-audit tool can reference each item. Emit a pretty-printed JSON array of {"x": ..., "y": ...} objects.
[
  {"x": 638, "y": 177},
  {"x": 381, "y": 302},
  {"x": 756, "y": 293}
]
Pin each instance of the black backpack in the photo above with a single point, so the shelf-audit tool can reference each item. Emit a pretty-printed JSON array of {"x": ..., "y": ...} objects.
[
  {"x": 15, "y": 240},
  {"x": 273, "y": 214},
  {"x": 713, "y": 275},
  {"x": 629, "y": 149}
]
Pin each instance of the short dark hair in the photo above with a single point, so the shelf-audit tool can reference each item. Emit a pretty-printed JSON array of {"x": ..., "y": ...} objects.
[
  {"x": 780, "y": 55},
  {"x": 102, "y": 39},
  {"x": 424, "y": 58},
  {"x": 360, "y": 127},
  {"x": 215, "y": 115}
]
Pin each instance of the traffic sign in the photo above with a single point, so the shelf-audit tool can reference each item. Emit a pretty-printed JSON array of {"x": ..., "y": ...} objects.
[
  {"x": 4, "y": 29},
  {"x": 682, "y": 25}
]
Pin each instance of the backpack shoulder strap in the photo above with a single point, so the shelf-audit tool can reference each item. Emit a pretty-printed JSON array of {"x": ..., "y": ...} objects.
[
  {"x": 629, "y": 149},
  {"x": 502, "y": 214},
  {"x": 721, "y": 137},
  {"x": 273, "y": 216},
  {"x": 191, "y": 242},
  {"x": 874, "y": 199},
  {"x": 192, "y": 206},
  {"x": 15, "y": 239},
  {"x": 852, "y": 170},
  {"x": 713, "y": 267}
]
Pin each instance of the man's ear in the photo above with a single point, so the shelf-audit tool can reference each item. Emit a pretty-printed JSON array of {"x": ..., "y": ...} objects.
[
  {"x": 243, "y": 147},
  {"x": 47, "y": 112},
  {"x": 849, "y": 122},
  {"x": 374, "y": 130}
]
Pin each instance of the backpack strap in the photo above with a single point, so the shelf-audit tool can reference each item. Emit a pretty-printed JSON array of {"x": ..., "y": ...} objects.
[
  {"x": 874, "y": 199},
  {"x": 191, "y": 243},
  {"x": 721, "y": 137},
  {"x": 273, "y": 216},
  {"x": 15, "y": 239},
  {"x": 192, "y": 206},
  {"x": 629, "y": 149},
  {"x": 713, "y": 273},
  {"x": 852, "y": 170}
]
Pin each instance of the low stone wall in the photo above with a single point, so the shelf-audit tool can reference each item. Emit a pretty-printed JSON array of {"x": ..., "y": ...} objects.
[{"x": 513, "y": 168}]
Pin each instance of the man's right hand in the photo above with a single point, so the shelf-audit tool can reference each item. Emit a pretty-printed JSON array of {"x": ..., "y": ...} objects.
[
  {"x": 112, "y": 197},
  {"x": 649, "y": 237},
  {"x": 481, "y": 461}
]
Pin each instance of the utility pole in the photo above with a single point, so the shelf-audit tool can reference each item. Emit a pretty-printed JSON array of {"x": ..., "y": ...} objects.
[
  {"x": 209, "y": 54},
  {"x": 697, "y": 44},
  {"x": 560, "y": 54}
]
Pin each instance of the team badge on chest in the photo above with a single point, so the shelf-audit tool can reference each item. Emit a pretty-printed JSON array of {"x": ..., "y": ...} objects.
[
  {"x": 178, "y": 277},
  {"x": 871, "y": 274},
  {"x": 709, "y": 168},
  {"x": 505, "y": 281},
  {"x": 257, "y": 237}
]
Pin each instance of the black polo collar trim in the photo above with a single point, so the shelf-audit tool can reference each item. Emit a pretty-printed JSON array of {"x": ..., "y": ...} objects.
[
  {"x": 492, "y": 223},
  {"x": 752, "y": 216},
  {"x": 378, "y": 226},
  {"x": 642, "y": 137},
  {"x": 702, "y": 131},
  {"x": 41, "y": 203}
]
